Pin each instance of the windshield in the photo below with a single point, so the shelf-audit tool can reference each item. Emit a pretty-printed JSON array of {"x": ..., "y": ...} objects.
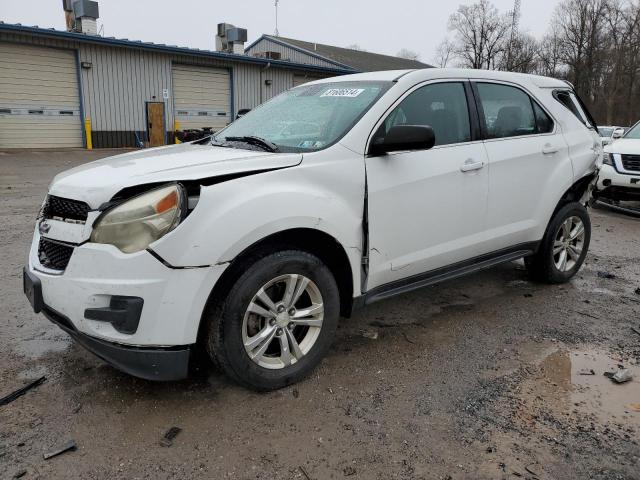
[
  {"x": 634, "y": 132},
  {"x": 605, "y": 131},
  {"x": 307, "y": 118}
]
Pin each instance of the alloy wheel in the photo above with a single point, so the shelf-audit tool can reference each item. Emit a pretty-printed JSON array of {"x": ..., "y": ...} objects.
[
  {"x": 568, "y": 244},
  {"x": 283, "y": 321}
]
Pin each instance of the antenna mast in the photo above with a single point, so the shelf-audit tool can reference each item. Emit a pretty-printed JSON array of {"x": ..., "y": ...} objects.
[
  {"x": 276, "y": 5},
  {"x": 515, "y": 20}
]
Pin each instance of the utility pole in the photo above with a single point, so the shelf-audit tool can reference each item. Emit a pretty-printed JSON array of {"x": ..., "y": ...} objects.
[{"x": 276, "y": 5}]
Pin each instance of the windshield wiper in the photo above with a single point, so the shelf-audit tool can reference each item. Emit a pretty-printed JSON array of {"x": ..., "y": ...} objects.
[{"x": 250, "y": 139}]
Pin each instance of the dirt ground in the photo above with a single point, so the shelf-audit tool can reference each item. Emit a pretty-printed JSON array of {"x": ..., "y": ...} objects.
[{"x": 481, "y": 377}]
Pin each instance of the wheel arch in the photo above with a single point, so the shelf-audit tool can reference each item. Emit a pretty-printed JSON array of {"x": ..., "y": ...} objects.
[
  {"x": 319, "y": 243},
  {"x": 576, "y": 191}
]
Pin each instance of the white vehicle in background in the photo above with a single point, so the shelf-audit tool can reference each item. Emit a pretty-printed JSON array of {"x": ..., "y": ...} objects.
[
  {"x": 327, "y": 198},
  {"x": 619, "y": 175},
  {"x": 608, "y": 134}
]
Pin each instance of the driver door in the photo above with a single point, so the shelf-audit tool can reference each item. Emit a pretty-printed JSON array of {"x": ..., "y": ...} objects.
[{"x": 427, "y": 209}]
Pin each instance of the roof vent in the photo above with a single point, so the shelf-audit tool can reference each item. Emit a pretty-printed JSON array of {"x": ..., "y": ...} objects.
[
  {"x": 81, "y": 16},
  {"x": 230, "y": 39}
]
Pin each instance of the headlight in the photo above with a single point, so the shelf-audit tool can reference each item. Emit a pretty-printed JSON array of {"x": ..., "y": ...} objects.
[
  {"x": 607, "y": 159},
  {"x": 138, "y": 222}
]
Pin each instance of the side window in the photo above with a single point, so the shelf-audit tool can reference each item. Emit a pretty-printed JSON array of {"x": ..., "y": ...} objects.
[
  {"x": 544, "y": 124},
  {"x": 442, "y": 106},
  {"x": 508, "y": 111},
  {"x": 571, "y": 102}
]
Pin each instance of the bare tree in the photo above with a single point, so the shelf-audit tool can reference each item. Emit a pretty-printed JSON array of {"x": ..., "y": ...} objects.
[
  {"x": 355, "y": 46},
  {"x": 444, "y": 53},
  {"x": 595, "y": 44},
  {"x": 550, "y": 55},
  {"x": 408, "y": 54},
  {"x": 480, "y": 34}
]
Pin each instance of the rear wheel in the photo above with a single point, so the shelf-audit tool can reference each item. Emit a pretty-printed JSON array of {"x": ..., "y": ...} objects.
[
  {"x": 277, "y": 321},
  {"x": 564, "y": 246}
]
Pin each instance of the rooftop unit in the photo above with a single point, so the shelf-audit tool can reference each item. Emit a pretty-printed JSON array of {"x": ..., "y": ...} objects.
[
  {"x": 81, "y": 16},
  {"x": 230, "y": 39}
]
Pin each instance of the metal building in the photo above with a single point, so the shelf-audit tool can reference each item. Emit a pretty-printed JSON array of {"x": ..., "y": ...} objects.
[
  {"x": 330, "y": 56},
  {"x": 131, "y": 92}
]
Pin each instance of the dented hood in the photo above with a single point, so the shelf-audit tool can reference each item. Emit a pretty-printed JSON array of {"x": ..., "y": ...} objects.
[{"x": 97, "y": 182}]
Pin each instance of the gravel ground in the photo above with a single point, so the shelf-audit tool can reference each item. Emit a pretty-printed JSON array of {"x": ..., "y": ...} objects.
[{"x": 481, "y": 377}]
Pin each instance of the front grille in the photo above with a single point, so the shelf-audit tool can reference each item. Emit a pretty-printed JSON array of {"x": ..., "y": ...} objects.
[
  {"x": 54, "y": 255},
  {"x": 631, "y": 162},
  {"x": 65, "y": 208}
]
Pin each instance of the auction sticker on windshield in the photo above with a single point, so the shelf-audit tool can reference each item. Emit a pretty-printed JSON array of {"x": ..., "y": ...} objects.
[{"x": 343, "y": 92}]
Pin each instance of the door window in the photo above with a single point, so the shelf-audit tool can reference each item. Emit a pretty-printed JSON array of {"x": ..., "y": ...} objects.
[
  {"x": 544, "y": 124},
  {"x": 442, "y": 106},
  {"x": 508, "y": 111}
]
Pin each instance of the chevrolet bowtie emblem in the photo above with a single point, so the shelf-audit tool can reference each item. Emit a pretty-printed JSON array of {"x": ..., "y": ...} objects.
[{"x": 44, "y": 227}]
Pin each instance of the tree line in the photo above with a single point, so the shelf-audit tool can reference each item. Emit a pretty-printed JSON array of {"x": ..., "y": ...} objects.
[{"x": 594, "y": 44}]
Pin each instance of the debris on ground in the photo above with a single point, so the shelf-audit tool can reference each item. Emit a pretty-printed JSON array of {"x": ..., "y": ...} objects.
[
  {"x": 621, "y": 376},
  {"x": 607, "y": 275},
  {"x": 586, "y": 371},
  {"x": 635, "y": 407},
  {"x": 21, "y": 391},
  {"x": 372, "y": 334},
  {"x": 532, "y": 471},
  {"x": 295, "y": 393},
  {"x": 636, "y": 330},
  {"x": 637, "y": 291},
  {"x": 20, "y": 474},
  {"x": 167, "y": 439},
  {"x": 304, "y": 472},
  {"x": 70, "y": 446},
  {"x": 348, "y": 471}
]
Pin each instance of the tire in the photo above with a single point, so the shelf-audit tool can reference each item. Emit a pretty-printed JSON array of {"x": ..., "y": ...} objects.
[
  {"x": 546, "y": 265},
  {"x": 237, "y": 324}
]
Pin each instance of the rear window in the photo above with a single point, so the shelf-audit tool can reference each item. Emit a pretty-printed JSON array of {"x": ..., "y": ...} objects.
[{"x": 571, "y": 101}]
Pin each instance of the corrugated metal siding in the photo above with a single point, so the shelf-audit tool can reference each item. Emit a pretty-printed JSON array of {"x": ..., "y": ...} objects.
[
  {"x": 119, "y": 83},
  {"x": 121, "y": 80},
  {"x": 287, "y": 53}
]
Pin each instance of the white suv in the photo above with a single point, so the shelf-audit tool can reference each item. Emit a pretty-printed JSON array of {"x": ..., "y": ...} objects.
[
  {"x": 327, "y": 198},
  {"x": 619, "y": 175}
]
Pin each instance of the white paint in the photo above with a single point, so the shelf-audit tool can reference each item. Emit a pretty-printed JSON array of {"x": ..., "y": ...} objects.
[{"x": 424, "y": 210}]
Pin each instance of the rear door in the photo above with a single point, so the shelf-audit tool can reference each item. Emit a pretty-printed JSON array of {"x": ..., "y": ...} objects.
[
  {"x": 529, "y": 164},
  {"x": 427, "y": 208}
]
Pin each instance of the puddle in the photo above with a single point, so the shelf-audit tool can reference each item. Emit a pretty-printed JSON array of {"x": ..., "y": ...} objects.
[{"x": 595, "y": 394}]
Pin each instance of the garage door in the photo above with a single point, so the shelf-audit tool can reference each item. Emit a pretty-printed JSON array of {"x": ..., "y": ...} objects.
[
  {"x": 301, "y": 79},
  {"x": 202, "y": 96},
  {"x": 39, "y": 99}
]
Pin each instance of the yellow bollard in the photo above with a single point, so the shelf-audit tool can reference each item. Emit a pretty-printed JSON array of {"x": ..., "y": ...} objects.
[
  {"x": 176, "y": 129},
  {"x": 87, "y": 132}
]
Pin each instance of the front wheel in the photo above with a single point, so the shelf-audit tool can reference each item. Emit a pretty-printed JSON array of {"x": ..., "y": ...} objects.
[
  {"x": 564, "y": 246},
  {"x": 277, "y": 321}
]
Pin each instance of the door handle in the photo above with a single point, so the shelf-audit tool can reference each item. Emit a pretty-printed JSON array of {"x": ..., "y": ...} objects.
[
  {"x": 549, "y": 149},
  {"x": 470, "y": 165}
]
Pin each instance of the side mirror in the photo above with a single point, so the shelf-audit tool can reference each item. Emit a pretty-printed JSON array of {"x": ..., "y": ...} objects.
[
  {"x": 618, "y": 133},
  {"x": 404, "y": 137},
  {"x": 242, "y": 112}
]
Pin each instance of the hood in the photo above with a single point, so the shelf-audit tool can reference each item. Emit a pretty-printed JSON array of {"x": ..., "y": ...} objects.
[
  {"x": 626, "y": 146},
  {"x": 97, "y": 182}
]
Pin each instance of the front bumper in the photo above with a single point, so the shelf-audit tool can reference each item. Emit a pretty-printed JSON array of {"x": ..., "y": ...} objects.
[
  {"x": 131, "y": 310},
  {"x": 617, "y": 185},
  {"x": 160, "y": 364}
]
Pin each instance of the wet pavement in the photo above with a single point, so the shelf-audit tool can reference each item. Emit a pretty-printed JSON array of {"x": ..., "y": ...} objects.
[{"x": 487, "y": 376}]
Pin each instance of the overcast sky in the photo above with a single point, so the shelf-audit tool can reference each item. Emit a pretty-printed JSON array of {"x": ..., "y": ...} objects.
[{"x": 415, "y": 24}]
